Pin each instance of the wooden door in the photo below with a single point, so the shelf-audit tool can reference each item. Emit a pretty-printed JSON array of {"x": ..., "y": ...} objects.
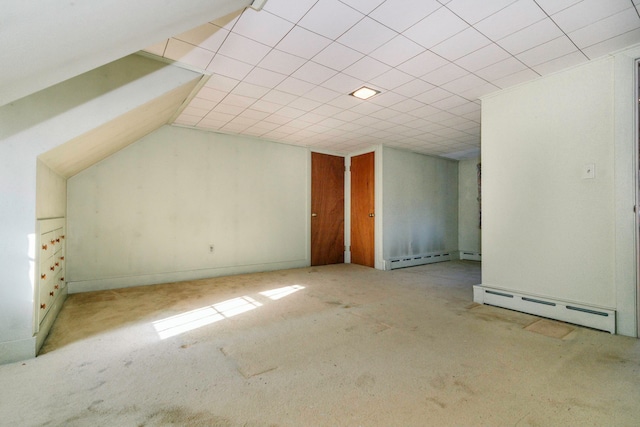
[
  {"x": 362, "y": 209},
  {"x": 327, "y": 209}
]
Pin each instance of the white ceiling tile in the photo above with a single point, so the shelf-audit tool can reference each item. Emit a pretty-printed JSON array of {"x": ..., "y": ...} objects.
[
  {"x": 587, "y": 12},
  {"x": 187, "y": 120},
  {"x": 435, "y": 28},
  {"x": 281, "y": 62},
  {"x": 423, "y": 64},
  {"x": 254, "y": 114},
  {"x": 615, "y": 43},
  {"x": 314, "y": 73},
  {"x": 195, "y": 111},
  {"x": 482, "y": 58},
  {"x": 330, "y": 18},
  {"x": 331, "y": 122},
  {"x": 385, "y": 114},
  {"x": 366, "y": 36},
  {"x": 290, "y": 112},
  {"x": 366, "y": 69},
  {"x": 607, "y": 28},
  {"x": 207, "y": 36},
  {"x": 229, "y": 67},
  {"x": 263, "y": 77},
  {"x": 322, "y": 94},
  {"x": 228, "y": 109},
  {"x": 279, "y": 97},
  {"x": 554, "y": 6},
  {"x": 560, "y": 63},
  {"x": 343, "y": 83},
  {"x": 278, "y": 119},
  {"x": 290, "y": 10},
  {"x": 250, "y": 90},
  {"x": 387, "y": 99},
  {"x": 327, "y": 110},
  {"x": 433, "y": 95},
  {"x": 266, "y": 106},
  {"x": 305, "y": 104},
  {"x": 461, "y": 44},
  {"x": 212, "y": 124},
  {"x": 531, "y": 36},
  {"x": 294, "y": 86},
  {"x": 211, "y": 94},
  {"x": 516, "y": 78},
  {"x": 407, "y": 105},
  {"x": 203, "y": 103},
  {"x": 464, "y": 83},
  {"x": 243, "y": 49},
  {"x": 401, "y": 14},
  {"x": 345, "y": 101},
  {"x": 365, "y": 107},
  {"x": 219, "y": 116},
  {"x": 512, "y": 18},
  {"x": 396, "y": 51},
  {"x": 238, "y": 100},
  {"x": 391, "y": 79},
  {"x": 548, "y": 51},
  {"x": 450, "y": 102},
  {"x": 337, "y": 56},
  {"x": 444, "y": 74},
  {"x": 312, "y": 117},
  {"x": 222, "y": 83},
  {"x": 262, "y": 27},
  {"x": 475, "y": 92},
  {"x": 413, "y": 88},
  {"x": 303, "y": 43},
  {"x": 347, "y": 116},
  {"x": 364, "y": 6},
  {"x": 501, "y": 69},
  {"x": 188, "y": 54},
  {"x": 474, "y": 11}
]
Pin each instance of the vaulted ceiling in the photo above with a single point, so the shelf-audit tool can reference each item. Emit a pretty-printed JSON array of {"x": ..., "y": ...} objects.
[{"x": 285, "y": 73}]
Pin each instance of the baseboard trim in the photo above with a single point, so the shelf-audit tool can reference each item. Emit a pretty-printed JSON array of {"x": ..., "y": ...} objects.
[
  {"x": 470, "y": 255},
  {"x": 580, "y": 314},
  {"x": 414, "y": 260},
  {"x": 79, "y": 286}
]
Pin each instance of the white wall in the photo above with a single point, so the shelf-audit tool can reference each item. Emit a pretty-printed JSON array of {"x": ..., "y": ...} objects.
[
  {"x": 420, "y": 205},
  {"x": 34, "y": 125},
  {"x": 546, "y": 230},
  {"x": 51, "y": 193},
  {"x": 149, "y": 213},
  {"x": 469, "y": 232}
]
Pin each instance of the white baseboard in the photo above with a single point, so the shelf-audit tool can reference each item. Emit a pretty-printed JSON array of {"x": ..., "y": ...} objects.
[
  {"x": 580, "y": 314},
  {"x": 18, "y": 350},
  {"x": 413, "y": 260},
  {"x": 471, "y": 256},
  {"x": 79, "y": 286}
]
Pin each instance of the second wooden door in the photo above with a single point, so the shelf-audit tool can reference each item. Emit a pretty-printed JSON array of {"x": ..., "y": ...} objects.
[{"x": 362, "y": 209}]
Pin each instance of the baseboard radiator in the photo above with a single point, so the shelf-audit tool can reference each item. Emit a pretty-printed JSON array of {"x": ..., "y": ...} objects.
[
  {"x": 579, "y": 314},
  {"x": 413, "y": 260},
  {"x": 471, "y": 256}
]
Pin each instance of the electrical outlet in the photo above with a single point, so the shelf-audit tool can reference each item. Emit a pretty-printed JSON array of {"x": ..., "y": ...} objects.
[{"x": 212, "y": 249}]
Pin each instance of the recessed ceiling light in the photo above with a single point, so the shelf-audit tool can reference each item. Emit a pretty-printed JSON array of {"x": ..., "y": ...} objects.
[{"x": 364, "y": 93}]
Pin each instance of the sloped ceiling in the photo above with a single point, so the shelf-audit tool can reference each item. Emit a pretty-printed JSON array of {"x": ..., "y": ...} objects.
[
  {"x": 46, "y": 42},
  {"x": 284, "y": 73},
  {"x": 78, "y": 154}
]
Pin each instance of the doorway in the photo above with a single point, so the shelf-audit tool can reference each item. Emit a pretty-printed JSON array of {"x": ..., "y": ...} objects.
[
  {"x": 363, "y": 209},
  {"x": 327, "y": 209}
]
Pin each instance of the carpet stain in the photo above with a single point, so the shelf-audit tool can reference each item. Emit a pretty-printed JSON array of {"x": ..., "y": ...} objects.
[
  {"x": 179, "y": 416},
  {"x": 366, "y": 381},
  {"x": 442, "y": 405}
]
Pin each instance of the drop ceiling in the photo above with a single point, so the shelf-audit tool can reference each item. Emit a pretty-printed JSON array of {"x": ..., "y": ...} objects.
[{"x": 284, "y": 73}]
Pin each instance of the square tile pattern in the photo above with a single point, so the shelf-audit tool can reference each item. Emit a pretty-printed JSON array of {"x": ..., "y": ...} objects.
[{"x": 284, "y": 73}]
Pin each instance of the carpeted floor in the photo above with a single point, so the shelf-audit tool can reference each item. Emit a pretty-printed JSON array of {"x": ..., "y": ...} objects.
[{"x": 338, "y": 345}]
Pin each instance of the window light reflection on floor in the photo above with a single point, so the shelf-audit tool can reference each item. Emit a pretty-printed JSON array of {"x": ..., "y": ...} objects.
[
  {"x": 276, "y": 294},
  {"x": 176, "y": 325},
  {"x": 194, "y": 319}
]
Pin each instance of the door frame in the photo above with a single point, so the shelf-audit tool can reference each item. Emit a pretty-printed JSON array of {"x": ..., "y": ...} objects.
[{"x": 378, "y": 194}]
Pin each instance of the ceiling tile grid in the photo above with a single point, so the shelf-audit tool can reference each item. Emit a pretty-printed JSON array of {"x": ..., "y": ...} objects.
[{"x": 285, "y": 73}]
